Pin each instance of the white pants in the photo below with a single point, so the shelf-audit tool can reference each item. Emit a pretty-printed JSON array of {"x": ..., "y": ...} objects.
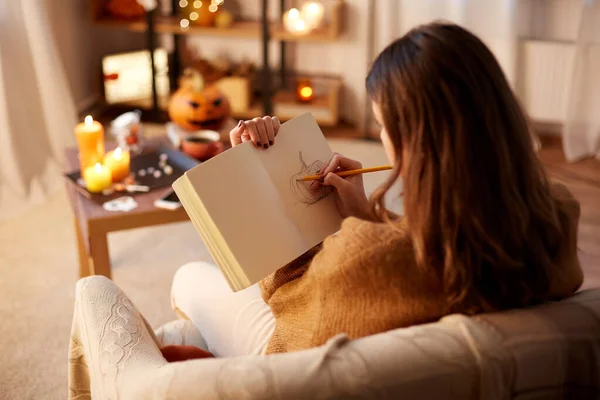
[{"x": 232, "y": 323}]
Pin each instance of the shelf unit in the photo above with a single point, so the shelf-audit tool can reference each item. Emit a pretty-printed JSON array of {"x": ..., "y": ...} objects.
[
  {"x": 324, "y": 106},
  {"x": 262, "y": 29},
  {"x": 239, "y": 29}
]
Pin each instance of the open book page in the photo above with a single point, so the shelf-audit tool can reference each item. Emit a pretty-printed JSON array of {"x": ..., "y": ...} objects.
[
  {"x": 248, "y": 211},
  {"x": 301, "y": 149}
]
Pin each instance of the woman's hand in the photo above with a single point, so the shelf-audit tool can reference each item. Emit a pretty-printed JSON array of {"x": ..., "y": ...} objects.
[
  {"x": 260, "y": 131},
  {"x": 349, "y": 192}
]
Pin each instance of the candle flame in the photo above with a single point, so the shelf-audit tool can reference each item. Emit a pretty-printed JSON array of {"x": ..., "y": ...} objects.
[
  {"x": 89, "y": 121},
  {"x": 118, "y": 153},
  {"x": 98, "y": 167}
]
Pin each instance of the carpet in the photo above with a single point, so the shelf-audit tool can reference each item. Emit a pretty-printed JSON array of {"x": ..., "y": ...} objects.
[{"x": 38, "y": 272}]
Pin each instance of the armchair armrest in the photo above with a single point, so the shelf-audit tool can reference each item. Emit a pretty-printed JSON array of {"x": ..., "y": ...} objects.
[
  {"x": 109, "y": 341},
  {"x": 113, "y": 354}
]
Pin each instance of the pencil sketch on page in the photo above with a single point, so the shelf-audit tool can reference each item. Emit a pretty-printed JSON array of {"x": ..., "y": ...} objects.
[{"x": 301, "y": 189}]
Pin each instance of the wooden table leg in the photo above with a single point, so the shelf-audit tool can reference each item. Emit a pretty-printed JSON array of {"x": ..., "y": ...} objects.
[
  {"x": 100, "y": 260},
  {"x": 84, "y": 264}
]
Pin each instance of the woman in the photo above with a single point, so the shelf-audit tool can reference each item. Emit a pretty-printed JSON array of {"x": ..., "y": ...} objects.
[{"x": 483, "y": 229}]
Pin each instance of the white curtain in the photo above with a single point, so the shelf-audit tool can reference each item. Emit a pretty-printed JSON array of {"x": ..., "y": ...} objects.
[
  {"x": 494, "y": 21},
  {"x": 37, "y": 114},
  {"x": 581, "y": 134}
]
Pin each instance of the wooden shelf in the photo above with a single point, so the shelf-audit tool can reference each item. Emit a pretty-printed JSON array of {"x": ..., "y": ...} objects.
[
  {"x": 239, "y": 29},
  {"x": 324, "y": 107}
]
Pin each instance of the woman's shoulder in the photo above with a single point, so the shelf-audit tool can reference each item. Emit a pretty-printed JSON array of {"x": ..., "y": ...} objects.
[{"x": 358, "y": 236}]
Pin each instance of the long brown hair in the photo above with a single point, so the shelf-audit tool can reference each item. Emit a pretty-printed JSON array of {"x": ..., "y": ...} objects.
[{"x": 476, "y": 198}]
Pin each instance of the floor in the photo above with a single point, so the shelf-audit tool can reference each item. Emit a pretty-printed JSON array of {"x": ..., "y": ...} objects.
[
  {"x": 583, "y": 179},
  {"x": 38, "y": 271}
]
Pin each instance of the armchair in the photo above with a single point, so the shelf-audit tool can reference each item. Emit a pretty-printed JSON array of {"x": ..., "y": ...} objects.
[{"x": 551, "y": 351}]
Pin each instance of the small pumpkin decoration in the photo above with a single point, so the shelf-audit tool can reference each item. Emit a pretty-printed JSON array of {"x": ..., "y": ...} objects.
[
  {"x": 194, "y": 107},
  {"x": 301, "y": 189},
  {"x": 125, "y": 9}
]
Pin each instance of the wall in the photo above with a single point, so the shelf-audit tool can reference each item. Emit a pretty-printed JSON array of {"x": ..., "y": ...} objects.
[
  {"x": 81, "y": 46},
  {"x": 500, "y": 23},
  {"x": 546, "y": 59}
]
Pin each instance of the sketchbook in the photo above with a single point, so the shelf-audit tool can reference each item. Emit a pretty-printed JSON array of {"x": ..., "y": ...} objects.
[{"x": 250, "y": 210}]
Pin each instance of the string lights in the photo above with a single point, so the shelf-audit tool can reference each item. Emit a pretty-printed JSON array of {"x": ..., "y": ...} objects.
[{"x": 194, "y": 11}]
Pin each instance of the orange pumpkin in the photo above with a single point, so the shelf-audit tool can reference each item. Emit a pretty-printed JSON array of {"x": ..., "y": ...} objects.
[
  {"x": 125, "y": 9},
  {"x": 201, "y": 16},
  {"x": 193, "y": 106}
]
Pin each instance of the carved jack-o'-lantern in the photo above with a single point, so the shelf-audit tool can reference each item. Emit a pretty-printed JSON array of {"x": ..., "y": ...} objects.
[{"x": 193, "y": 106}]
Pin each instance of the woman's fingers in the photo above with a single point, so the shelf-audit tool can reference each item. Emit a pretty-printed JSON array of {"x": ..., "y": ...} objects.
[
  {"x": 326, "y": 163},
  {"x": 276, "y": 124},
  {"x": 237, "y": 133},
  {"x": 339, "y": 183},
  {"x": 332, "y": 166},
  {"x": 246, "y": 137},
  {"x": 253, "y": 132},
  {"x": 262, "y": 132},
  {"x": 338, "y": 161},
  {"x": 268, "y": 121}
]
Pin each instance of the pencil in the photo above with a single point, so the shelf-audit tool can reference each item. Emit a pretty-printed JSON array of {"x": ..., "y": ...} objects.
[{"x": 348, "y": 173}]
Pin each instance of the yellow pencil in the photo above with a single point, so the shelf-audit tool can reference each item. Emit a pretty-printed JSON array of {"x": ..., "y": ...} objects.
[{"x": 348, "y": 173}]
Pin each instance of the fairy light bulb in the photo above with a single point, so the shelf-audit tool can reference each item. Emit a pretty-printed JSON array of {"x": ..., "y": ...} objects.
[
  {"x": 312, "y": 14},
  {"x": 194, "y": 15},
  {"x": 197, "y": 4},
  {"x": 213, "y": 8},
  {"x": 183, "y": 3},
  {"x": 300, "y": 25},
  {"x": 184, "y": 23},
  {"x": 294, "y": 13}
]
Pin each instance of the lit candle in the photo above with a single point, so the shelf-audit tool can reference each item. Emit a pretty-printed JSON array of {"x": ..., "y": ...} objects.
[
  {"x": 97, "y": 178},
  {"x": 305, "y": 91},
  {"x": 90, "y": 141},
  {"x": 312, "y": 14},
  {"x": 118, "y": 163}
]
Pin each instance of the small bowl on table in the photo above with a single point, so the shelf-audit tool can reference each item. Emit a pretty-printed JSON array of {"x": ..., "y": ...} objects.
[{"x": 202, "y": 145}]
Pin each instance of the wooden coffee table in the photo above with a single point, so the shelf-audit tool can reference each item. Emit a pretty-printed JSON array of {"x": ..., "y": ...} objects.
[{"x": 93, "y": 223}]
